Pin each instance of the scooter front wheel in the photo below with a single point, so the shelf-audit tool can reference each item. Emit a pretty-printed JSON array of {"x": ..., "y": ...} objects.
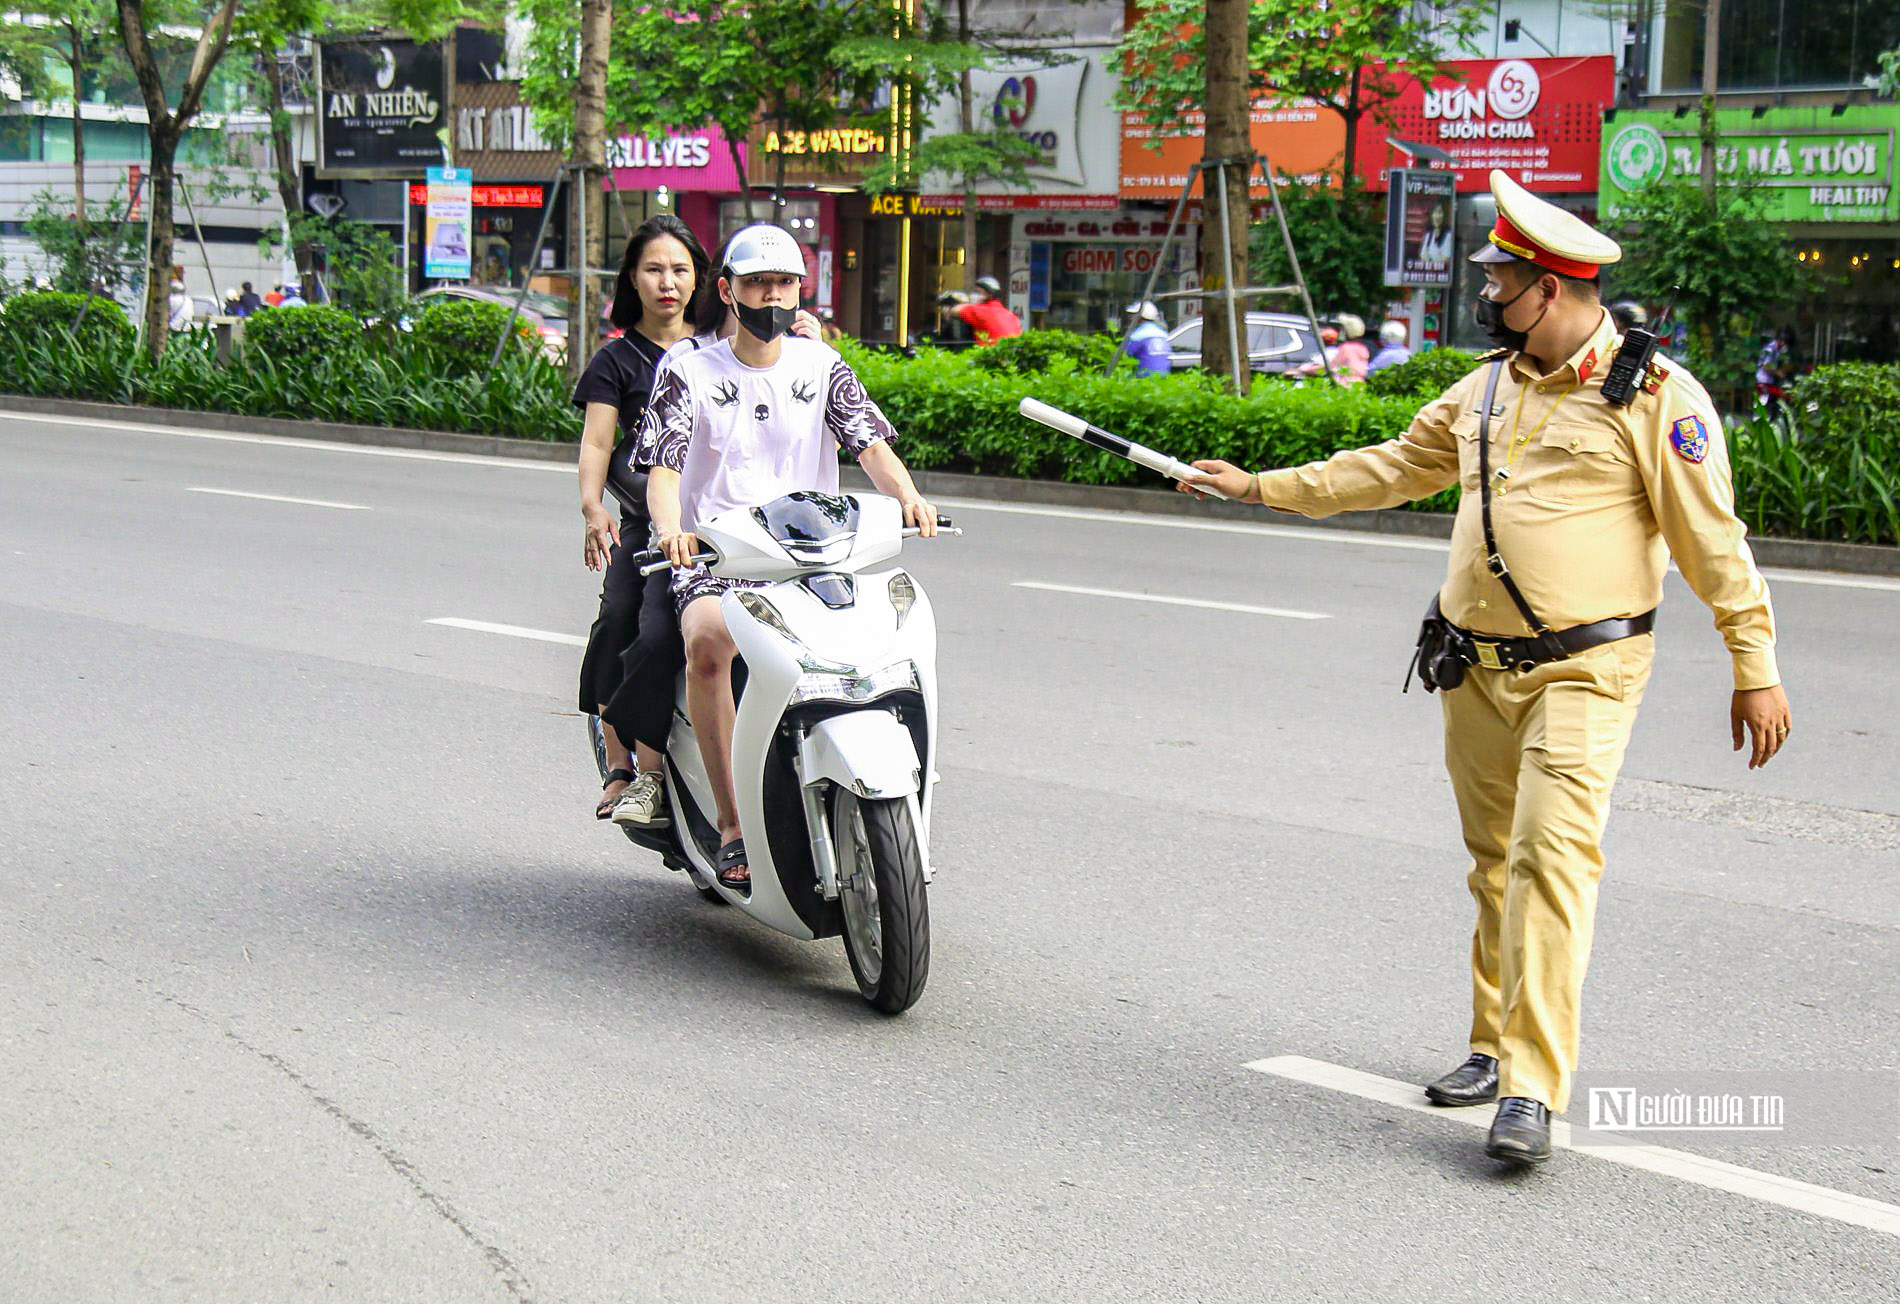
[{"x": 881, "y": 891}]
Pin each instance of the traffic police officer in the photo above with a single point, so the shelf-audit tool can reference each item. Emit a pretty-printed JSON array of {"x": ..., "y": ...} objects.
[{"x": 1589, "y": 499}]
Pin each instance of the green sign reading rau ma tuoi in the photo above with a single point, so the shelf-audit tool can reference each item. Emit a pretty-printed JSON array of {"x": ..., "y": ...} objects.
[{"x": 1812, "y": 164}]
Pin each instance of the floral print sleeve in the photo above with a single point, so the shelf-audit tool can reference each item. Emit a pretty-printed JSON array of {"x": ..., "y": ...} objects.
[
  {"x": 667, "y": 427},
  {"x": 850, "y": 415}
]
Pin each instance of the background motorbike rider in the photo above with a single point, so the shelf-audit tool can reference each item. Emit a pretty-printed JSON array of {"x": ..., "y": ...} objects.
[{"x": 737, "y": 424}]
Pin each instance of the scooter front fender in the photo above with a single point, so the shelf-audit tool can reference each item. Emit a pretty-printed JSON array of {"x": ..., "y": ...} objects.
[{"x": 868, "y": 752}]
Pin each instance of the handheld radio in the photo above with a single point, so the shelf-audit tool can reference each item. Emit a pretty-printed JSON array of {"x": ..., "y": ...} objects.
[{"x": 1633, "y": 359}]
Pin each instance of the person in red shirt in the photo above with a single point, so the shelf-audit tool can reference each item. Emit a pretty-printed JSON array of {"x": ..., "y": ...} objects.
[{"x": 989, "y": 318}]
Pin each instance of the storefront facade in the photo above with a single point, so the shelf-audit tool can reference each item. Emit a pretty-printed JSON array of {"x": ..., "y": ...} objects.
[
  {"x": 1827, "y": 173},
  {"x": 1539, "y": 120}
]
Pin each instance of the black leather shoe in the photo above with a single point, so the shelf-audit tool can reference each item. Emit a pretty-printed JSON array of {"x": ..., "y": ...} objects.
[
  {"x": 1521, "y": 1132},
  {"x": 1471, "y": 1083}
]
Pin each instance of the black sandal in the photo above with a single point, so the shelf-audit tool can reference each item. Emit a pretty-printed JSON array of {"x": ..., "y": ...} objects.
[
  {"x": 606, "y": 808},
  {"x": 732, "y": 856}
]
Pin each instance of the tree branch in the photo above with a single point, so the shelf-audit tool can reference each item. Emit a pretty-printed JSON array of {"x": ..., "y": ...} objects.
[
  {"x": 138, "y": 48},
  {"x": 211, "y": 42}
]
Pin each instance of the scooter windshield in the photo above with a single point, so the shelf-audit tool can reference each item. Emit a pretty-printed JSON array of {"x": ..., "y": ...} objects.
[{"x": 805, "y": 522}]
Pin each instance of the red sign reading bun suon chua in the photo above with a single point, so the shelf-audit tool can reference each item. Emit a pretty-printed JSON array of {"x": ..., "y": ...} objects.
[{"x": 1540, "y": 120}]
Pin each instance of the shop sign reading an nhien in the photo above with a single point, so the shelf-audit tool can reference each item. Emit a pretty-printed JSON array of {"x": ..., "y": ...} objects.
[
  {"x": 1539, "y": 120},
  {"x": 1818, "y": 164},
  {"x": 379, "y": 107}
]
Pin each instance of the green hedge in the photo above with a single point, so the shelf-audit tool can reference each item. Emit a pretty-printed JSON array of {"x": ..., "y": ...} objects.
[
  {"x": 398, "y": 383},
  {"x": 462, "y": 332},
  {"x": 1430, "y": 373},
  {"x": 48, "y": 316},
  {"x": 302, "y": 336},
  {"x": 954, "y": 413},
  {"x": 1040, "y": 350}
]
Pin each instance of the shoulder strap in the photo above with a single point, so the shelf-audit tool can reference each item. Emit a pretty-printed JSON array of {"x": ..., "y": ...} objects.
[{"x": 1493, "y": 559}]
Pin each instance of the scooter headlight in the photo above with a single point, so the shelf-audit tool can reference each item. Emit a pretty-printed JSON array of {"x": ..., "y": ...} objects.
[
  {"x": 766, "y": 614},
  {"x": 816, "y": 686},
  {"x": 903, "y": 596}
]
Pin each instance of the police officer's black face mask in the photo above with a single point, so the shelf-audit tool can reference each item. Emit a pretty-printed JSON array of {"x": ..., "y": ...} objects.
[{"x": 1489, "y": 314}]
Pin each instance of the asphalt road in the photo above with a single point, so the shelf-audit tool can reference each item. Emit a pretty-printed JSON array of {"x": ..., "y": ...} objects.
[{"x": 317, "y": 978}]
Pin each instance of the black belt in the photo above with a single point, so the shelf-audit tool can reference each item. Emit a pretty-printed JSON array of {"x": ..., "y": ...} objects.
[{"x": 1552, "y": 645}]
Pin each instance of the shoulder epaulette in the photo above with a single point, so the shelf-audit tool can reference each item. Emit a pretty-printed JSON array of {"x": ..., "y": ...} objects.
[{"x": 1494, "y": 353}]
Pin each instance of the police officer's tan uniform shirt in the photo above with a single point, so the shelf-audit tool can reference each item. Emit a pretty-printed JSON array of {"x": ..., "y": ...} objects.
[{"x": 1596, "y": 500}]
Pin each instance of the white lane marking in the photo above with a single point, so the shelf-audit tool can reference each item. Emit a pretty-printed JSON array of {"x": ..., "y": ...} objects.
[
  {"x": 1286, "y": 612},
  {"x": 282, "y": 441},
  {"x": 512, "y": 631},
  {"x": 1821, "y": 1201},
  {"x": 1832, "y": 580},
  {"x": 277, "y": 498},
  {"x": 1184, "y": 523}
]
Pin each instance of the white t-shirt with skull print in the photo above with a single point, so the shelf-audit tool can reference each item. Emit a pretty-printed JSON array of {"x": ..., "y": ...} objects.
[{"x": 741, "y": 436}]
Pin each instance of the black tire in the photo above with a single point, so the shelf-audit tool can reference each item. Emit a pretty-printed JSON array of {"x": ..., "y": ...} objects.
[{"x": 891, "y": 976}]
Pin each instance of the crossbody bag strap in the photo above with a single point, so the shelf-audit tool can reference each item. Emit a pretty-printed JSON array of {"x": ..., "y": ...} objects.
[{"x": 1493, "y": 559}]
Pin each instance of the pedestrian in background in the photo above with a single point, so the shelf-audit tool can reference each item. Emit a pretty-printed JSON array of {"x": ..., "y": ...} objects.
[
  {"x": 1392, "y": 348},
  {"x": 987, "y": 316},
  {"x": 182, "y": 308},
  {"x": 248, "y": 302},
  {"x": 1539, "y": 641},
  {"x": 1147, "y": 342}
]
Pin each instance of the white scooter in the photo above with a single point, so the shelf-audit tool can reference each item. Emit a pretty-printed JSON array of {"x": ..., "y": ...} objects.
[{"x": 835, "y": 744}]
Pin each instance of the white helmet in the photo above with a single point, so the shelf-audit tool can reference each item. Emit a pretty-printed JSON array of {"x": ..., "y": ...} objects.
[
  {"x": 1393, "y": 332},
  {"x": 1145, "y": 310},
  {"x": 1351, "y": 326},
  {"x": 763, "y": 247}
]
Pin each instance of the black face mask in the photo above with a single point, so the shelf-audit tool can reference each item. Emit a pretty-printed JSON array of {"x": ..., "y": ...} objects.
[
  {"x": 1489, "y": 314},
  {"x": 766, "y": 323}
]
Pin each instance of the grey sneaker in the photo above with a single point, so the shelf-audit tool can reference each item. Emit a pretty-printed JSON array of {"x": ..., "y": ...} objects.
[{"x": 643, "y": 803}]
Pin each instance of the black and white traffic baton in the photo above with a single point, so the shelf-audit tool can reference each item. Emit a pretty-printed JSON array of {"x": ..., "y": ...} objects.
[{"x": 1096, "y": 437}]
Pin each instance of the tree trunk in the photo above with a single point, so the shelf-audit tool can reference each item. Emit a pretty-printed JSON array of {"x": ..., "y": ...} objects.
[
  {"x": 158, "y": 266},
  {"x": 1711, "y": 68},
  {"x": 738, "y": 170},
  {"x": 1352, "y": 115},
  {"x": 586, "y": 205},
  {"x": 1228, "y": 136},
  {"x": 75, "y": 46},
  {"x": 967, "y": 124},
  {"x": 284, "y": 162}
]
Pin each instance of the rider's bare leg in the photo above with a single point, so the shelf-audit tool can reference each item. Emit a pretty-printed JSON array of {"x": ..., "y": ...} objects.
[
  {"x": 709, "y": 654},
  {"x": 618, "y": 758}
]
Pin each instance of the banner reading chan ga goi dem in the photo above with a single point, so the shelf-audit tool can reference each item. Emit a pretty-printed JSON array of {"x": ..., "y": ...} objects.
[
  {"x": 1814, "y": 164},
  {"x": 379, "y": 107}
]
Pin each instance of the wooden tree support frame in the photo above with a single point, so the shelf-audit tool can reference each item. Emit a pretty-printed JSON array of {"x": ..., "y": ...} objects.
[{"x": 1232, "y": 300}]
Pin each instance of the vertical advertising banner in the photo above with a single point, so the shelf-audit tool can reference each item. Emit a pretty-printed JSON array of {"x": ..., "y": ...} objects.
[
  {"x": 447, "y": 219},
  {"x": 1418, "y": 227}
]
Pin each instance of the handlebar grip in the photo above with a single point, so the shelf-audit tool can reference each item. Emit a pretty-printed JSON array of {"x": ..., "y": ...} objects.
[{"x": 654, "y": 568}]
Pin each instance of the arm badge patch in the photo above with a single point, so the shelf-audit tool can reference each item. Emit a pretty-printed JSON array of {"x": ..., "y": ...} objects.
[{"x": 1690, "y": 438}]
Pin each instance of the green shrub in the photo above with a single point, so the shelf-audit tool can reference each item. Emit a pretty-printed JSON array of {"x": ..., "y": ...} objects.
[
  {"x": 1430, "y": 373},
  {"x": 302, "y": 336},
  {"x": 1833, "y": 470},
  {"x": 1039, "y": 350},
  {"x": 1849, "y": 401},
  {"x": 461, "y": 333},
  {"x": 48, "y": 316}
]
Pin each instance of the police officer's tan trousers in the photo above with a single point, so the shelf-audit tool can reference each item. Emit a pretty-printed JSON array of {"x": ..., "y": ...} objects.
[{"x": 1533, "y": 756}]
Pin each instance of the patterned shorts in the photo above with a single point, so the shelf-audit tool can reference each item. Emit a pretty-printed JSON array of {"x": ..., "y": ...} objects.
[{"x": 691, "y": 585}]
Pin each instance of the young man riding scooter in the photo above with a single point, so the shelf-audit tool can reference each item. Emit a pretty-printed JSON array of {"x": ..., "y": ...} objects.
[{"x": 738, "y": 424}]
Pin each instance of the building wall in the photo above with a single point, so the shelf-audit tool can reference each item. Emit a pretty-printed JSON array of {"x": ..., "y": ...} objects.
[{"x": 232, "y": 225}]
